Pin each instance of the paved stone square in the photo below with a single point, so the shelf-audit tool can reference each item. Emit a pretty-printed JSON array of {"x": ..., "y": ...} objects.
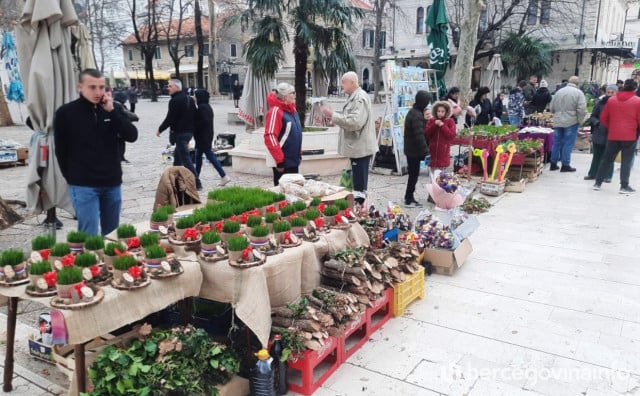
[{"x": 548, "y": 303}]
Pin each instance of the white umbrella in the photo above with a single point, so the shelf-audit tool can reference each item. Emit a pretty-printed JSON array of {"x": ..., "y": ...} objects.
[
  {"x": 253, "y": 103},
  {"x": 493, "y": 75},
  {"x": 47, "y": 67},
  {"x": 83, "y": 48}
]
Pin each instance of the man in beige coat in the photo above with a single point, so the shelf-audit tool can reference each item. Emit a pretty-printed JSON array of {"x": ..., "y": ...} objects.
[{"x": 357, "y": 139}]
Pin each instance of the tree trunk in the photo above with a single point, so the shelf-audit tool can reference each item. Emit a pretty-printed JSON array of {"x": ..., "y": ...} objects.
[
  {"x": 301, "y": 55},
  {"x": 377, "y": 73},
  {"x": 8, "y": 216},
  {"x": 200, "y": 42},
  {"x": 148, "y": 65},
  {"x": 5, "y": 114},
  {"x": 468, "y": 40},
  {"x": 213, "y": 56}
]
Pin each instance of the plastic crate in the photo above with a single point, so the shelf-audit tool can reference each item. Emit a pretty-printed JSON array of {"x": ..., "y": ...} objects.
[
  {"x": 356, "y": 334},
  {"x": 405, "y": 292},
  {"x": 310, "y": 369},
  {"x": 381, "y": 311}
]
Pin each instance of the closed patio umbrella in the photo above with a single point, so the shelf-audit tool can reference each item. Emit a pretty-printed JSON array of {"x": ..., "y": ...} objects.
[
  {"x": 493, "y": 75},
  {"x": 438, "y": 22},
  {"x": 253, "y": 103},
  {"x": 46, "y": 63},
  {"x": 83, "y": 48}
]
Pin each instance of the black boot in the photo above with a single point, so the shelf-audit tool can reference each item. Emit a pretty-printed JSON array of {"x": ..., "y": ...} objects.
[
  {"x": 553, "y": 167},
  {"x": 567, "y": 168}
]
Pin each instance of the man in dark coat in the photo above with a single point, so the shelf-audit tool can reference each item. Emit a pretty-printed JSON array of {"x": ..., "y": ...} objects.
[
  {"x": 415, "y": 144},
  {"x": 86, "y": 135},
  {"x": 204, "y": 136},
  {"x": 541, "y": 98},
  {"x": 180, "y": 119},
  {"x": 599, "y": 136}
]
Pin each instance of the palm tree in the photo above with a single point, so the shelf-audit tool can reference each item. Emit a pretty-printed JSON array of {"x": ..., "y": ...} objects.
[
  {"x": 526, "y": 56},
  {"x": 317, "y": 24}
]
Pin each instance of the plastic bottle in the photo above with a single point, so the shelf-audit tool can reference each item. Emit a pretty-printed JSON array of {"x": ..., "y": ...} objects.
[
  {"x": 261, "y": 382},
  {"x": 279, "y": 367}
]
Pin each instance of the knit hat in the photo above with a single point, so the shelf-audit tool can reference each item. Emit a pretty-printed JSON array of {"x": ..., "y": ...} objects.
[
  {"x": 543, "y": 84},
  {"x": 284, "y": 89}
]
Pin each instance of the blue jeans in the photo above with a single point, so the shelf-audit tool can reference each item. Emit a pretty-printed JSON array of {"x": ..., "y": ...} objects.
[
  {"x": 181, "y": 154},
  {"x": 515, "y": 120},
  {"x": 96, "y": 207},
  {"x": 564, "y": 138},
  {"x": 212, "y": 158}
]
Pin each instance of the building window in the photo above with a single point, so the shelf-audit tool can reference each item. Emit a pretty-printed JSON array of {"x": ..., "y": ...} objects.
[
  {"x": 205, "y": 50},
  {"x": 545, "y": 12},
  {"x": 158, "y": 54},
  {"x": 188, "y": 51},
  {"x": 382, "y": 44},
  {"x": 130, "y": 55},
  {"x": 173, "y": 50},
  {"x": 532, "y": 12},
  {"x": 368, "y": 37},
  {"x": 420, "y": 20},
  {"x": 233, "y": 51}
]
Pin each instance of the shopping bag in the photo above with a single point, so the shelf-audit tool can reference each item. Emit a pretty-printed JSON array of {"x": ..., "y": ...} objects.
[{"x": 346, "y": 179}]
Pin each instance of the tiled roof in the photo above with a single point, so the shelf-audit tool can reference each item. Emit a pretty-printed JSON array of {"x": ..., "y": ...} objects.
[
  {"x": 188, "y": 29},
  {"x": 362, "y": 4}
]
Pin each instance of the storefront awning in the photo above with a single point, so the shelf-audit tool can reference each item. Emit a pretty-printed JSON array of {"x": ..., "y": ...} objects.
[
  {"x": 626, "y": 53},
  {"x": 189, "y": 68},
  {"x": 140, "y": 75}
]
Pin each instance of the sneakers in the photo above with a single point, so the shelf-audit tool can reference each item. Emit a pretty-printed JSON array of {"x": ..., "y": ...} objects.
[
  {"x": 412, "y": 204},
  {"x": 553, "y": 166},
  {"x": 627, "y": 190},
  {"x": 567, "y": 168},
  {"x": 597, "y": 186},
  {"x": 198, "y": 185},
  {"x": 224, "y": 181}
]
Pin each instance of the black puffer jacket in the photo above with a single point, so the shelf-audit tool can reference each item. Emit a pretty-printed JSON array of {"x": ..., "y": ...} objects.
[
  {"x": 599, "y": 132},
  {"x": 541, "y": 99},
  {"x": 204, "y": 121},
  {"x": 415, "y": 140}
]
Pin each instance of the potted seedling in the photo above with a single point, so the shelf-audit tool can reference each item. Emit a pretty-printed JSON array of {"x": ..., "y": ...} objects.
[
  {"x": 42, "y": 244},
  {"x": 149, "y": 239},
  {"x": 210, "y": 241},
  {"x": 229, "y": 229},
  {"x": 183, "y": 223},
  {"x": 159, "y": 218},
  {"x": 58, "y": 251},
  {"x": 123, "y": 272},
  {"x": 95, "y": 244},
  {"x": 213, "y": 215},
  {"x": 126, "y": 231},
  {"x": 76, "y": 239},
  {"x": 315, "y": 202},
  {"x": 69, "y": 278},
  {"x": 342, "y": 204},
  {"x": 13, "y": 265},
  {"x": 270, "y": 218},
  {"x": 154, "y": 255},
  {"x": 236, "y": 245},
  {"x": 88, "y": 262},
  {"x": 298, "y": 224},
  {"x": 36, "y": 271},
  {"x": 329, "y": 215},
  {"x": 111, "y": 251},
  {"x": 287, "y": 211},
  {"x": 253, "y": 221},
  {"x": 280, "y": 227},
  {"x": 300, "y": 206},
  {"x": 259, "y": 236}
]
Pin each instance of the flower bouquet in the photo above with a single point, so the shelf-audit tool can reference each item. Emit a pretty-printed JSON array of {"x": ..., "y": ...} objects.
[{"x": 445, "y": 190}]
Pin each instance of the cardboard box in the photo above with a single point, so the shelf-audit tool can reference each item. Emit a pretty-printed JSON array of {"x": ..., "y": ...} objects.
[
  {"x": 446, "y": 262},
  {"x": 516, "y": 187},
  {"x": 23, "y": 154},
  {"x": 7, "y": 156},
  {"x": 41, "y": 351},
  {"x": 492, "y": 188}
]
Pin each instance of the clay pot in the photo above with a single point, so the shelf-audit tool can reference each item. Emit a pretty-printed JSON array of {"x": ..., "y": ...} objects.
[{"x": 64, "y": 290}]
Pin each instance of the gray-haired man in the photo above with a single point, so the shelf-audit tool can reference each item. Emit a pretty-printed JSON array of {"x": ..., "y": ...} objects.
[{"x": 181, "y": 120}]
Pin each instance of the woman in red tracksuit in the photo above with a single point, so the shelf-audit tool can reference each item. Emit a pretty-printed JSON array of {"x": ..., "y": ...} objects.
[{"x": 441, "y": 130}]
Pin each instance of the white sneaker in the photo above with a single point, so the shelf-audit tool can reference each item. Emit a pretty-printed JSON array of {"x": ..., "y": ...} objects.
[{"x": 224, "y": 181}]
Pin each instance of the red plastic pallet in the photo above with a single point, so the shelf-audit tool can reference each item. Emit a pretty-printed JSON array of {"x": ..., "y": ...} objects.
[
  {"x": 381, "y": 311},
  {"x": 313, "y": 367},
  {"x": 355, "y": 335}
]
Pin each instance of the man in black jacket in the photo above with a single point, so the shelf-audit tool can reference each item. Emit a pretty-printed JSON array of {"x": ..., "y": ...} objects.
[
  {"x": 181, "y": 121},
  {"x": 86, "y": 135}
]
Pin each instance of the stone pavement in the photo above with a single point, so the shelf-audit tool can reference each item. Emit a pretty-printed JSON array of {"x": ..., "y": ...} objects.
[{"x": 547, "y": 304}]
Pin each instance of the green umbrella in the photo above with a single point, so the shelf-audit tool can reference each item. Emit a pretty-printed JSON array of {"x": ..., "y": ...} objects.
[{"x": 437, "y": 21}]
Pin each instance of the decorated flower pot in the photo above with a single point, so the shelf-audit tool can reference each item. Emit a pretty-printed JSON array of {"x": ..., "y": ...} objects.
[
  {"x": 64, "y": 291},
  {"x": 299, "y": 231},
  {"x": 209, "y": 248},
  {"x": 180, "y": 232},
  {"x": 224, "y": 236},
  {"x": 33, "y": 279},
  {"x": 117, "y": 274},
  {"x": 108, "y": 261},
  {"x": 235, "y": 255},
  {"x": 52, "y": 259},
  {"x": 155, "y": 225},
  {"x": 153, "y": 262},
  {"x": 76, "y": 247},
  {"x": 329, "y": 221},
  {"x": 258, "y": 241},
  {"x": 99, "y": 253}
]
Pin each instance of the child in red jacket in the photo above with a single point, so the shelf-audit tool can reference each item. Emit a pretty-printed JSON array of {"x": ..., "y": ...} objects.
[{"x": 440, "y": 131}]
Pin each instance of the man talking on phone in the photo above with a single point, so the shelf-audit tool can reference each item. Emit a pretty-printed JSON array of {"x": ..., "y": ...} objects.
[{"x": 86, "y": 135}]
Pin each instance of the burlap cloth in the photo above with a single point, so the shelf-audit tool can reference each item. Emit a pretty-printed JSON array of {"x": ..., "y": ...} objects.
[
  {"x": 281, "y": 280},
  {"x": 121, "y": 307}
]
